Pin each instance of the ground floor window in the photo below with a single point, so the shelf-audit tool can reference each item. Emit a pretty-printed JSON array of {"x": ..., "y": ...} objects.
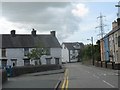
[
  {"x": 56, "y": 60},
  {"x": 4, "y": 63},
  {"x": 14, "y": 62},
  {"x": 48, "y": 61},
  {"x": 26, "y": 62}
]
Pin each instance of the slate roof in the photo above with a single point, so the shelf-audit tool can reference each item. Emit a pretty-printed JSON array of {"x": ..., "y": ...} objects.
[
  {"x": 70, "y": 45},
  {"x": 28, "y": 41},
  {"x": 111, "y": 32}
]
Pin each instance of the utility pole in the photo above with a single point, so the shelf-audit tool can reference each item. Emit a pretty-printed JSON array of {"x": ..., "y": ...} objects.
[
  {"x": 92, "y": 50},
  {"x": 118, "y": 6},
  {"x": 101, "y": 25}
]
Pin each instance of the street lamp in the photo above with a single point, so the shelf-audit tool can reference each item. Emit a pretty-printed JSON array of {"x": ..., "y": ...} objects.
[{"x": 92, "y": 50}]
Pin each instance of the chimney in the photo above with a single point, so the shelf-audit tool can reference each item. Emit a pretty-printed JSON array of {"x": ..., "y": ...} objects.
[
  {"x": 118, "y": 21},
  {"x": 33, "y": 32},
  {"x": 13, "y": 33},
  {"x": 114, "y": 24},
  {"x": 53, "y": 33}
]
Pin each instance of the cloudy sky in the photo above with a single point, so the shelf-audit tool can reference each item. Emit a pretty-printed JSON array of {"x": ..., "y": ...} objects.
[{"x": 72, "y": 21}]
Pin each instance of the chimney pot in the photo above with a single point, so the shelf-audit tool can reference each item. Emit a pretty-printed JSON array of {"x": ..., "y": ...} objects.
[
  {"x": 13, "y": 33},
  {"x": 53, "y": 33},
  {"x": 118, "y": 21},
  {"x": 33, "y": 32}
]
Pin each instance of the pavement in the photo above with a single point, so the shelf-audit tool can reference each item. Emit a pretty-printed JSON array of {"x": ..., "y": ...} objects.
[{"x": 47, "y": 79}]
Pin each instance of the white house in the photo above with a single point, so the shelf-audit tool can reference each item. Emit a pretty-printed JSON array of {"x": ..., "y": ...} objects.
[
  {"x": 70, "y": 51},
  {"x": 15, "y": 47}
]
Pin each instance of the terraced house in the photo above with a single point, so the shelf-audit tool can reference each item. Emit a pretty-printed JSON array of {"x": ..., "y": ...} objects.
[
  {"x": 110, "y": 48},
  {"x": 15, "y": 47}
]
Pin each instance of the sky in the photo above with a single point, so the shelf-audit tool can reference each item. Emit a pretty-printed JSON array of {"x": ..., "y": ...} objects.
[{"x": 72, "y": 21}]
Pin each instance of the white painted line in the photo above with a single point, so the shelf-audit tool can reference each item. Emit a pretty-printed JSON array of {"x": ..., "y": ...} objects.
[
  {"x": 95, "y": 76},
  {"x": 108, "y": 83}
]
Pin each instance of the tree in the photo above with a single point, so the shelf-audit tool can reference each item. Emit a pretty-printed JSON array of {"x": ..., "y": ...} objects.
[
  {"x": 86, "y": 52},
  {"x": 97, "y": 54},
  {"x": 35, "y": 54}
]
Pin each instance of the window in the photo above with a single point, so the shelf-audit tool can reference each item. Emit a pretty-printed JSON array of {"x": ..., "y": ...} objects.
[
  {"x": 119, "y": 41},
  {"x": 57, "y": 61},
  {"x": 14, "y": 62},
  {"x": 116, "y": 39},
  {"x": 3, "y": 52},
  {"x": 26, "y": 51},
  {"x": 26, "y": 62},
  {"x": 48, "y": 61},
  {"x": 4, "y": 63}
]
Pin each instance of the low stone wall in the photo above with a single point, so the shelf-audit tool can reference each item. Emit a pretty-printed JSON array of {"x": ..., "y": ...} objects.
[
  {"x": 117, "y": 66},
  {"x": 110, "y": 65},
  {"x": 104, "y": 64},
  {"x": 98, "y": 63},
  {"x": 4, "y": 76},
  {"x": 16, "y": 71}
]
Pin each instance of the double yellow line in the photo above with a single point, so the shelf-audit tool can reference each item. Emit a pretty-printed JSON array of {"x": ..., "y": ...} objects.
[{"x": 65, "y": 82}]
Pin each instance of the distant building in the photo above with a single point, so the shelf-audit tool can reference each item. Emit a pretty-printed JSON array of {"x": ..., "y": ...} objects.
[
  {"x": 15, "y": 47},
  {"x": 70, "y": 51}
]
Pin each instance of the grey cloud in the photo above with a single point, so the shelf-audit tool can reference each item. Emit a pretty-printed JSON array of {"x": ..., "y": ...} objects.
[{"x": 43, "y": 16}]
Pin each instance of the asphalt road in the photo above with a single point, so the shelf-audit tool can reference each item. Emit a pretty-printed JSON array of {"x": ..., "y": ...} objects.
[
  {"x": 76, "y": 76},
  {"x": 81, "y": 76}
]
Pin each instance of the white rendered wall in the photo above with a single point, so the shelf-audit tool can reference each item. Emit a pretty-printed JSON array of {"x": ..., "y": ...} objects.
[
  {"x": 17, "y": 53},
  {"x": 65, "y": 54},
  {"x": 56, "y": 52}
]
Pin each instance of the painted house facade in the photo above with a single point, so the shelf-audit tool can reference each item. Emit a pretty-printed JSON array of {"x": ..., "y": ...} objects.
[
  {"x": 15, "y": 47},
  {"x": 70, "y": 51},
  {"x": 110, "y": 44}
]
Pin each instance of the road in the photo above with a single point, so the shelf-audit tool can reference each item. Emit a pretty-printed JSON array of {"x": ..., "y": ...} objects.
[
  {"x": 76, "y": 76},
  {"x": 81, "y": 76}
]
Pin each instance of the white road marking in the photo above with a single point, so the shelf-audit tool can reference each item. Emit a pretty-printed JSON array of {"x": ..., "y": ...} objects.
[
  {"x": 108, "y": 83},
  {"x": 95, "y": 76}
]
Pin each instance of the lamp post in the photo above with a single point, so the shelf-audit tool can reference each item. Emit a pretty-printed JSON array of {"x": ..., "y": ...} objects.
[{"x": 92, "y": 50}]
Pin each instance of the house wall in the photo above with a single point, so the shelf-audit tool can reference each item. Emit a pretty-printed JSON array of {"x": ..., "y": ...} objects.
[
  {"x": 106, "y": 49},
  {"x": 17, "y": 53},
  {"x": 0, "y": 57},
  {"x": 116, "y": 46},
  {"x": 112, "y": 47},
  {"x": 65, "y": 54},
  {"x": 102, "y": 49},
  {"x": 73, "y": 55},
  {"x": 119, "y": 46},
  {"x": 54, "y": 52}
]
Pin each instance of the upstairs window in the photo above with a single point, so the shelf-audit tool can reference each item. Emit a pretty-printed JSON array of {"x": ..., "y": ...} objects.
[
  {"x": 26, "y": 51},
  {"x": 3, "y": 52},
  {"x": 116, "y": 38},
  {"x": 119, "y": 41}
]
